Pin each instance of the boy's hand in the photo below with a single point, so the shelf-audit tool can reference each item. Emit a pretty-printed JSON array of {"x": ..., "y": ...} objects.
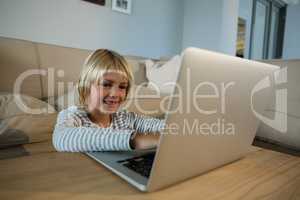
[{"x": 144, "y": 141}]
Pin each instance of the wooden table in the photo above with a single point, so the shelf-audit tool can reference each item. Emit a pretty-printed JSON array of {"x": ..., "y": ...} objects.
[{"x": 46, "y": 174}]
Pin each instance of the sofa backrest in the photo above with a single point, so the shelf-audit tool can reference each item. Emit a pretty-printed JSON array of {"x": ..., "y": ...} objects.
[
  {"x": 59, "y": 67},
  {"x": 16, "y": 58},
  {"x": 63, "y": 66}
]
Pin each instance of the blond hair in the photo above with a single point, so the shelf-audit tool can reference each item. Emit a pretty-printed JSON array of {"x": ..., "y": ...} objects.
[{"x": 96, "y": 65}]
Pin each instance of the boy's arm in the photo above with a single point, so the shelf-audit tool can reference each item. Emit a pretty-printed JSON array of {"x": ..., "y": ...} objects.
[
  {"x": 69, "y": 137},
  {"x": 144, "y": 124},
  {"x": 147, "y": 129}
]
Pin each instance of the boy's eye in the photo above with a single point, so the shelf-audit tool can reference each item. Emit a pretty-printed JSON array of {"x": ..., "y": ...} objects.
[
  {"x": 105, "y": 84},
  {"x": 123, "y": 87}
]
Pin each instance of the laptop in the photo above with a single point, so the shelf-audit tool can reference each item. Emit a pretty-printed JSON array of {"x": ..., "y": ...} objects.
[{"x": 210, "y": 121}]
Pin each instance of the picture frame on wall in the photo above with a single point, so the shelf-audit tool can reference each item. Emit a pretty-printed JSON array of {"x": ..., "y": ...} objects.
[
  {"x": 123, "y": 6},
  {"x": 99, "y": 2}
]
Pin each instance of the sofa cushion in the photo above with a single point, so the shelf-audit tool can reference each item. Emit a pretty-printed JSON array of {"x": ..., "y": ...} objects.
[
  {"x": 17, "y": 57},
  {"x": 63, "y": 64},
  {"x": 24, "y": 119},
  {"x": 138, "y": 69}
]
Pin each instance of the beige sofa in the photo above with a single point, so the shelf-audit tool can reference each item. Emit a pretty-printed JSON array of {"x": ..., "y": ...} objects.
[
  {"x": 47, "y": 75},
  {"x": 51, "y": 71},
  {"x": 60, "y": 66}
]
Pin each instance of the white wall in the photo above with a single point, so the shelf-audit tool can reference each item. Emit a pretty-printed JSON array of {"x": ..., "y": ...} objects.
[
  {"x": 153, "y": 29},
  {"x": 291, "y": 45},
  {"x": 210, "y": 25},
  {"x": 229, "y": 26}
]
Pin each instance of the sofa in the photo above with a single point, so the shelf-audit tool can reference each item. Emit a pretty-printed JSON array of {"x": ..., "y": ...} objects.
[
  {"x": 49, "y": 73},
  {"x": 59, "y": 68},
  {"x": 45, "y": 76}
]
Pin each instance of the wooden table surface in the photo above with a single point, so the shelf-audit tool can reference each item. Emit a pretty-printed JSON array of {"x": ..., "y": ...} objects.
[{"x": 46, "y": 174}]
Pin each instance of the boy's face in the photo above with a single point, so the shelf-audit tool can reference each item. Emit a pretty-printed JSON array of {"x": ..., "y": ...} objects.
[{"x": 109, "y": 94}]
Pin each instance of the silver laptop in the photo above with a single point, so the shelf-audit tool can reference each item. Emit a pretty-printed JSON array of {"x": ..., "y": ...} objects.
[{"x": 210, "y": 121}]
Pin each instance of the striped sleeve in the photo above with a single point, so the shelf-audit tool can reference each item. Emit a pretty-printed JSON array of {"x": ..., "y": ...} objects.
[
  {"x": 144, "y": 124},
  {"x": 68, "y": 137}
]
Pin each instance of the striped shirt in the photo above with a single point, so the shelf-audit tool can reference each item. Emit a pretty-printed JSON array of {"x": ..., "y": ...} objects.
[{"x": 75, "y": 132}]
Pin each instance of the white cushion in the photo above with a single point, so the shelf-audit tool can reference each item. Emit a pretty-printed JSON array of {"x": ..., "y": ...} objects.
[{"x": 163, "y": 76}]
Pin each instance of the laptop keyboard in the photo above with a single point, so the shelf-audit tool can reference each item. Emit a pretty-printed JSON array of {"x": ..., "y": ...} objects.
[{"x": 141, "y": 164}]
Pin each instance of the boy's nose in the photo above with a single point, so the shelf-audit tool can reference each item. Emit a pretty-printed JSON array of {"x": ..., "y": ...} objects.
[{"x": 114, "y": 91}]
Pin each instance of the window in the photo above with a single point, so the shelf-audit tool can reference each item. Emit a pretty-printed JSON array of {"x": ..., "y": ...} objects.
[{"x": 267, "y": 29}]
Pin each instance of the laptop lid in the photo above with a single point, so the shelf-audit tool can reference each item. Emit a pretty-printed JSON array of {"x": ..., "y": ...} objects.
[{"x": 210, "y": 121}]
